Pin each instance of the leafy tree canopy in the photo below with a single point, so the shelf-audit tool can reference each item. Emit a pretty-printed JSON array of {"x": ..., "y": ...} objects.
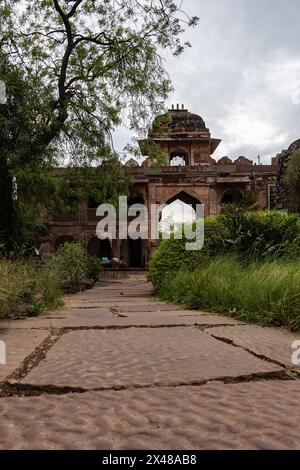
[{"x": 74, "y": 70}]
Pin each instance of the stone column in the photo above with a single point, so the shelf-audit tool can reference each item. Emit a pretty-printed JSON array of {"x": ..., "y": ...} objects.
[{"x": 213, "y": 201}]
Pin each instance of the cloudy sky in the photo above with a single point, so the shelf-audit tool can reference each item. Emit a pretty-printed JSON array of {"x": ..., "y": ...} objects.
[{"x": 242, "y": 75}]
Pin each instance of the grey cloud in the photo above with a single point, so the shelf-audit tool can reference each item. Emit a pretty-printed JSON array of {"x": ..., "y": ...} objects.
[{"x": 242, "y": 74}]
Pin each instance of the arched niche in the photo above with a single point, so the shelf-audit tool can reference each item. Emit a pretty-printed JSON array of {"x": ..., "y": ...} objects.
[{"x": 179, "y": 157}]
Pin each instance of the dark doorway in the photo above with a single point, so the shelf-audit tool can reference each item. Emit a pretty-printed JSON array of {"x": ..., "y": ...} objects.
[
  {"x": 232, "y": 197},
  {"x": 135, "y": 254},
  {"x": 99, "y": 248},
  {"x": 62, "y": 240}
]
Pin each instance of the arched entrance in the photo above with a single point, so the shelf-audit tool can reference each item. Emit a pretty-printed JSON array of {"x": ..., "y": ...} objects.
[
  {"x": 180, "y": 209},
  {"x": 99, "y": 248},
  {"x": 186, "y": 198}
]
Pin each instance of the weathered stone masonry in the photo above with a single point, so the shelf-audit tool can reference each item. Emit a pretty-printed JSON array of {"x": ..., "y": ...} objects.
[{"x": 186, "y": 139}]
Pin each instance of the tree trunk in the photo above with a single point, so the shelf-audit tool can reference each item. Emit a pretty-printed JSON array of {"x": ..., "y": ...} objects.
[{"x": 8, "y": 219}]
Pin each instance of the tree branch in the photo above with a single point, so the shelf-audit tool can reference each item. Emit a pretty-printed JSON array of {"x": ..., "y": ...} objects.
[{"x": 74, "y": 8}]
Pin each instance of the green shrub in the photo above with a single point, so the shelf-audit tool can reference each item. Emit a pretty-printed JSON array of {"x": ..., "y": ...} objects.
[
  {"x": 259, "y": 234},
  {"x": 251, "y": 235},
  {"x": 171, "y": 255},
  {"x": 16, "y": 283},
  {"x": 94, "y": 268},
  {"x": 69, "y": 264},
  {"x": 22, "y": 284},
  {"x": 48, "y": 291},
  {"x": 40, "y": 288},
  {"x": 260, "y": 292}
]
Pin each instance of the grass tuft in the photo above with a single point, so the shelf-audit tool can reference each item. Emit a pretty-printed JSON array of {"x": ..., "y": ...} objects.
[{"x": 267, "y": 293}]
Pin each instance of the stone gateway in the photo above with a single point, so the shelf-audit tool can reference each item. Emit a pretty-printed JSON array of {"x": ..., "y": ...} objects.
[{"x": 189, "y": 173}]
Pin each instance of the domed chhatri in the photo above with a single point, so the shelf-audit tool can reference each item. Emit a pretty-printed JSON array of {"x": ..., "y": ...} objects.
[
  {"x": 178, "y": 120},
  {"x": 184, "y": 135},
  {"x": 184, "y": 121}
]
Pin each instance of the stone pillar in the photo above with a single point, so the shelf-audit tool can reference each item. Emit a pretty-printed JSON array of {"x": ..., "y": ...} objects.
[
  {"x": 152, "y": 244},
  {"x": 83, "y": 212},
  {"x": 213, "y": 201}
]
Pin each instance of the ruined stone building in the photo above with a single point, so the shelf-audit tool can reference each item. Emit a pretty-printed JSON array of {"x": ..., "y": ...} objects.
[
  {"x": 189, "y": 173},
  {"x": 282, "y": 160}
]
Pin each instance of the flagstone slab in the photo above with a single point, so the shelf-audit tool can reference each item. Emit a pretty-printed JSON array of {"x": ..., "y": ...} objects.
[
  {"x": 106, "y": 318},
  {"x": 104, "y": 303},
  {"x": 185, "y": 316},
  {"x": 149, "y": 307},
  {"x": 171, "y": 319},
  {"x": 274, "y": 343},
  {"x": 67, "y": 318},
  {"x": 142, "y": 357},
  {"x": 254, "y": 416},
  {"x": 19, "y": 344}
]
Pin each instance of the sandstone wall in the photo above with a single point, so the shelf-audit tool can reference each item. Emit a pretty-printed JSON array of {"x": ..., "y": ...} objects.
[{"x": 282, "y": 164}]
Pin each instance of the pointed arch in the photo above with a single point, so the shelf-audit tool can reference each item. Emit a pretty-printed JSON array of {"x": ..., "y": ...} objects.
[{"x": 187, "y": 196}]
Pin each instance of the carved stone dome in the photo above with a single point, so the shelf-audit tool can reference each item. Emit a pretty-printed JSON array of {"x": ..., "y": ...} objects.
[
  {"x": 180, "y": 121},
  {"x": 186, "y": 121}
]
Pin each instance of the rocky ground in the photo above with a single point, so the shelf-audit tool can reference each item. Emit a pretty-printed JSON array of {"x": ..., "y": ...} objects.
[{"x": 116, "y": 369}]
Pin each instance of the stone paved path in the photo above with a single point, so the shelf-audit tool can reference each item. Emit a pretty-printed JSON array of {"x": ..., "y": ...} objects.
[{"x": 116, "y": 369}]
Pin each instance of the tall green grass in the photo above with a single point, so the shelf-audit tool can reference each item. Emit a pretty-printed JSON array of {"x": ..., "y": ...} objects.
[
  {"x": 40, "y": 288},
  {"x": 23, "y": 284},
  {"x": 267, "y": 293}
]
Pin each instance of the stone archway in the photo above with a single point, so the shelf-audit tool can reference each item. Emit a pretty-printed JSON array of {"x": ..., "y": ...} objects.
[
  {"x": 186, "y": 197},
  {"x": 179, "y": 210}
]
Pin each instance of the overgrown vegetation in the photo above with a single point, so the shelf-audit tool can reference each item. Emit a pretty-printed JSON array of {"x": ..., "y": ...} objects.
[
  {"x": 292, "y": 181},
  {"x": 26, "y": 288},
  {"x": 249, "y": 268},
  {"x": 258, "y": 292}
]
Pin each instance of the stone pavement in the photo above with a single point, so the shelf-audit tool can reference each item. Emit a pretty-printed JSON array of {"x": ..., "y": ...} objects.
[{"x": 116, "y": 369}]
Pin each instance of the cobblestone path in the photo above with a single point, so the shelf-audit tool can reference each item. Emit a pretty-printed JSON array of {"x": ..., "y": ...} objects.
[{"x": 116, "y": 369}]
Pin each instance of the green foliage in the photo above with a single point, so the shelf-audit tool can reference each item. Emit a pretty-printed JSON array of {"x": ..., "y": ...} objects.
[
  {"x": 14, "y": 283},
  {"x": 22, "y": 284},
  {"x": 40, "y": 288},
  {"x": 259, "y": 234},
  {"x": 94, "y": 268},
  {"x": 70, "y": 265},
  {"x": 171, "y": 254},
  {"x": 260, "y": 292},
  {"x": 90, "y": 66},
  {"x": 251, "y": 235},
  {"x": 292, "y": 181}
]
